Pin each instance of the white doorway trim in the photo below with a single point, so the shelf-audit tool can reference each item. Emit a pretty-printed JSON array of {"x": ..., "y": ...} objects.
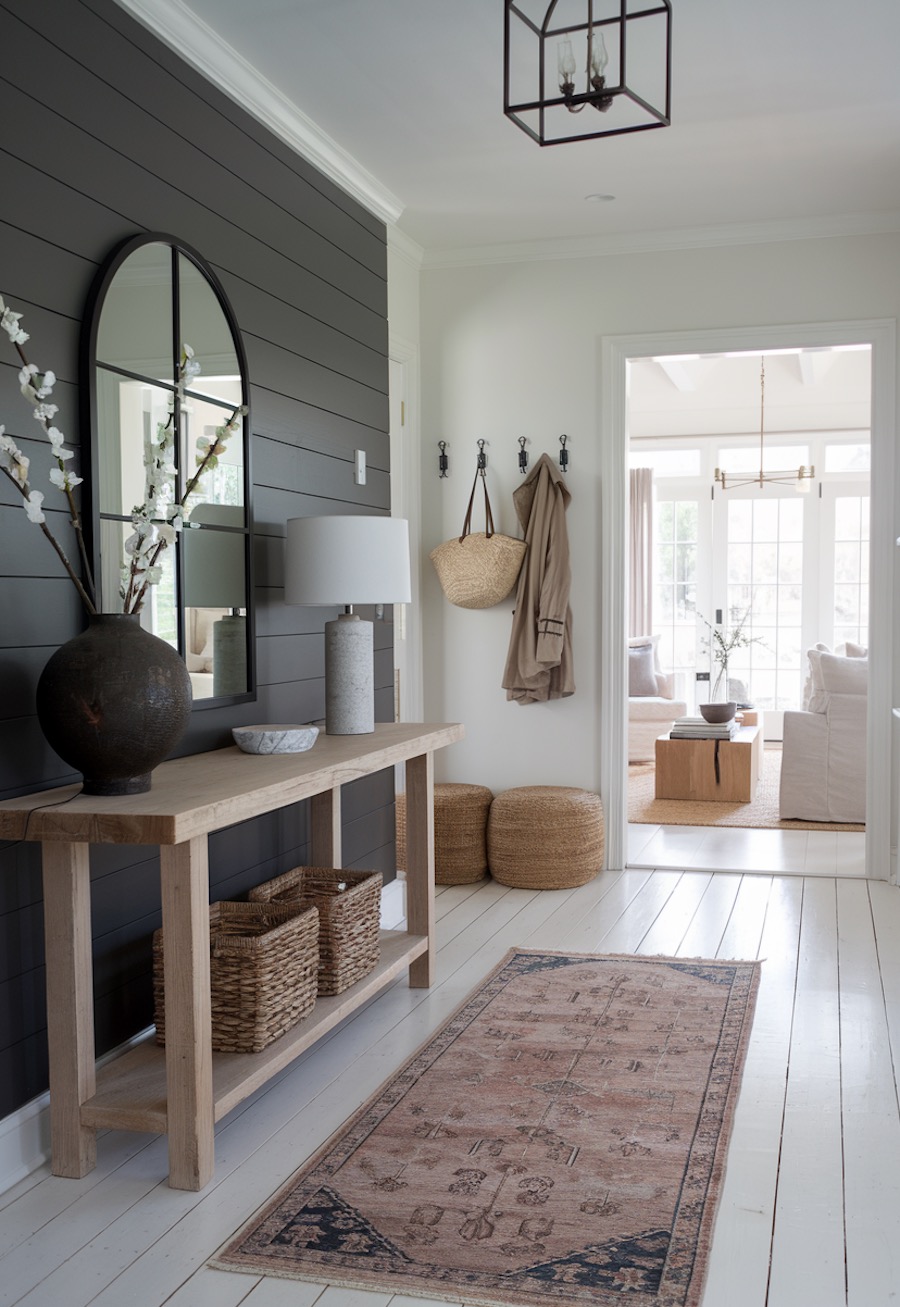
[
  {"x": 406, "y": 501},
  {"x": 615, "y": 351}
]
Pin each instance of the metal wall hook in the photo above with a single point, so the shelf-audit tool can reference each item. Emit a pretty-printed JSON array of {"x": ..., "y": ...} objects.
[
  {"x": 443, "y": 460},
  {"x": 563, "y": 454},
  {"x": 523, "y": 457},
  {"x": 482, "y": 456}
]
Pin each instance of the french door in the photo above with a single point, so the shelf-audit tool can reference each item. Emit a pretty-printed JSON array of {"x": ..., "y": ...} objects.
[{"x": 793, "y": 566}]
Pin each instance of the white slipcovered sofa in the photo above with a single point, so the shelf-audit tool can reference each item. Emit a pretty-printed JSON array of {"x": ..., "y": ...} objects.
[
  {"x": 823, "y": 763},
  {"x": 652, "y": 706}
]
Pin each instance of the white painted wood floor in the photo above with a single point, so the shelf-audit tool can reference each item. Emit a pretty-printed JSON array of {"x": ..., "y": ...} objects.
[{"x": 810, "y": 1213}]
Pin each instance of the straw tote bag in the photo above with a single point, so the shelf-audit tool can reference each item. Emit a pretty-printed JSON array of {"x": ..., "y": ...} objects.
[{"x": 480, "y": 568}]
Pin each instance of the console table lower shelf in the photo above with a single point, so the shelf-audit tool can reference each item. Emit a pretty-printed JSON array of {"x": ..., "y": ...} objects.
[{"x": 131, "y": 1090}]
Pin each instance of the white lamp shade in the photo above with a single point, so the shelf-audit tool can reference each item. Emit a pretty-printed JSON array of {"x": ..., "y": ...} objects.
[{"x": 347, "y": 560}]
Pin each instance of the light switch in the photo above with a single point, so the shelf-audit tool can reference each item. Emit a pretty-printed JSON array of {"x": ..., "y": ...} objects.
[{"x": 359, "y": 470}]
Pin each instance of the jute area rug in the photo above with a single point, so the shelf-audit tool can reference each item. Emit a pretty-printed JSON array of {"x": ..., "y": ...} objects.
[
  {"x": 646, "y": 810},
  {"x": 561, "y": 1140}
]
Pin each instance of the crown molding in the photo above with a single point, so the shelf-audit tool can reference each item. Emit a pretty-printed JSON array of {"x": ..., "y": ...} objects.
[
  {"x": 646, "y": 242},
  {"x": 201, "y": 47}
]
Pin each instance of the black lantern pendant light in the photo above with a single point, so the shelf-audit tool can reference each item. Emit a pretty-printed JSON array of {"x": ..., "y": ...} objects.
[{"x": 612, "y": 58}]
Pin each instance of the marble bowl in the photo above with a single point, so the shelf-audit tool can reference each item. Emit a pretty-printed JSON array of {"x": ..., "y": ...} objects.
[
  {"x": 714, "y": 713},
  {"x": 275, "y": 739}
]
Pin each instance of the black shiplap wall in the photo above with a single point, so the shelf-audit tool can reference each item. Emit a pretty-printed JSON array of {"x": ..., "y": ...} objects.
[{"x": 104, "y": 133}]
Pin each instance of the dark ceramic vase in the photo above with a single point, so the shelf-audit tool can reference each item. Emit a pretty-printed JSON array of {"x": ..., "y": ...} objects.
[{"x": 114, "y": 702}]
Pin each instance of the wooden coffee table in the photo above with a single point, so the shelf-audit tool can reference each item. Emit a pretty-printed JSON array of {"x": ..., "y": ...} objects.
[{"x": 686, "y": 769}]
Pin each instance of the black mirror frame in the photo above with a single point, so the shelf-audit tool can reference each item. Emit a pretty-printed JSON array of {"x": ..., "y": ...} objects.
[{"x": 90, "y": 435}]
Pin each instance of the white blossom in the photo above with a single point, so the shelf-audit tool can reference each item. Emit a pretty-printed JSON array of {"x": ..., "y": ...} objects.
[
  {"x": 32, "y": 506},
  {"x": 64, "y": 480},
  {"x": 19, "y": 467},
  {"x": 9, "y": 321}
]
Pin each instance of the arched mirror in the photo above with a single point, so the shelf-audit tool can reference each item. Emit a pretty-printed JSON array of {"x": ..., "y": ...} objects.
[{"x": 167, "y": 384}]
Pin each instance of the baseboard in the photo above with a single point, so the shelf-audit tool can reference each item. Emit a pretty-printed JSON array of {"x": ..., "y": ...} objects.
[{"x": 25, "y": 1133}]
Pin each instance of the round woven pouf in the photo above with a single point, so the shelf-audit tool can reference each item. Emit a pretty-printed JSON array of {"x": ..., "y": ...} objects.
[
  {"x": 545, "y": 837},
  {"x": 460, "y": 832}
]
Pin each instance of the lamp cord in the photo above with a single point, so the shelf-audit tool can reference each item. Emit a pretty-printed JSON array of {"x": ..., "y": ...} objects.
[{"x": 60, "y": 803}]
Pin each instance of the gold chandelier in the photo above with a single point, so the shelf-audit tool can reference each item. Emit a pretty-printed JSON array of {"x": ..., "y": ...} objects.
[{"x": 802, "y": 476}]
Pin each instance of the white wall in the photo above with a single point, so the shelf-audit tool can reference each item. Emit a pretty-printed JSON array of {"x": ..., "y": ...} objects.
[{"x": 513, "y": 350}]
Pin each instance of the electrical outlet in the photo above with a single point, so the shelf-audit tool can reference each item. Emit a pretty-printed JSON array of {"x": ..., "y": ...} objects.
[
  {"x": 359, "y": 467},
  {"x": 703, "y": 676}
]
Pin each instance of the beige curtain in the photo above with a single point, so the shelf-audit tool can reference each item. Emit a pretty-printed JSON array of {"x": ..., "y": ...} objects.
[{"x": 640, "y": 583}]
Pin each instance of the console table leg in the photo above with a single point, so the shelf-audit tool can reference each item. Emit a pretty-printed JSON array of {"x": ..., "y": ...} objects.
[
  {"x": 420, "y": 863},
  {"x": 325, "y": 829},
  {"x": 189, "y": 1088},
  {"x": 70, "y": 1005}
]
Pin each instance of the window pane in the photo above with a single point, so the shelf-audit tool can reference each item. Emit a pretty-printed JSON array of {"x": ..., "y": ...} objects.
[
  {"x": 790, "y": 514},
  {"x": 740, "y": 520},
  {"x": 765, "y": 520},
  {"x": 666, "y": 462},
  {"x": 745, "y": 461},
  {"x": 848, "y": 458},
  {"x": 790, "y": 563}
]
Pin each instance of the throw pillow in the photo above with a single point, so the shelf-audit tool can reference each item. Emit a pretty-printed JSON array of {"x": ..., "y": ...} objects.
[
  {"x": 636, "y": 641},
  {"x": 814, "y": 699},
  {"x": 856, "y": 650},
  {"x": 641, "y": 673},
  {"x": 844, "y": 675}
]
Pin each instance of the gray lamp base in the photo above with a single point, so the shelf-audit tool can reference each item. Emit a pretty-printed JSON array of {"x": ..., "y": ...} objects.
[
  {"x": 349, "y": 676},
  {"x": 230, "y": 655}
]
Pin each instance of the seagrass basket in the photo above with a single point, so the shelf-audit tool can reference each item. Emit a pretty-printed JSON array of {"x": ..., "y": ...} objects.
[
  {"x": 460, "y": 832},
  {"x": 349, "y": 906},
  {"x": 263, "y": 961},
  {"x": 545, "y": 837}
]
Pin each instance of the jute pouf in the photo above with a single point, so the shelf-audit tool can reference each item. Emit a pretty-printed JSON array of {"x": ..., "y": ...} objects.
[
  {"x": 460, "y": 832},
  {"x": 545, "y": 837}
]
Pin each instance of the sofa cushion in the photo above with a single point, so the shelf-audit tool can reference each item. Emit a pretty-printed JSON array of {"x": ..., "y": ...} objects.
[
  {"x": 843, "y": 675},
  {"x": 855, "y": 650},
  {"x": 641, "y": 671}
]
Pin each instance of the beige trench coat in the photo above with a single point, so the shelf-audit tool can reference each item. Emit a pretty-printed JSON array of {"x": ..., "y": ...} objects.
[{"x": 539, "y": 662}]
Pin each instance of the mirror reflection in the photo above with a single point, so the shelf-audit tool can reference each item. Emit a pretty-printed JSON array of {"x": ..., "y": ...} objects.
[{"x": 168, "y": 372}]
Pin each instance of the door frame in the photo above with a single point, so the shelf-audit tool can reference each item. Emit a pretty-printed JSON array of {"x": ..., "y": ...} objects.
[{"x": 615, "y": 351}]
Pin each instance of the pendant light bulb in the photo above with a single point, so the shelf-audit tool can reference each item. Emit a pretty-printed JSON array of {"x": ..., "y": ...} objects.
[
  {"x": 565, "y": 58},
  {"x": 599, "y": 54}
]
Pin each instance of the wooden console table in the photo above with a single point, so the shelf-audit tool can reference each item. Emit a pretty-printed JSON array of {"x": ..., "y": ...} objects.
[{"x": 184, "y": 1089}]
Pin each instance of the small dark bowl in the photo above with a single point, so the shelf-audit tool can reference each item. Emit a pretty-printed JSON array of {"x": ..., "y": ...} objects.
[{"x": 715, "y": 713}]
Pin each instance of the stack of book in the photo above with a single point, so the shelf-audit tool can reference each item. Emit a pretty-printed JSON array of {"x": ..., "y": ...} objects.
[{"x": 697, "y": 728}]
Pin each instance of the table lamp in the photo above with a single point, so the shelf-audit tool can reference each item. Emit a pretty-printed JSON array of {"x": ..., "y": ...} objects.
[
  {"x": 348, "y": 560},
  {"x": 215, "y": 576}
]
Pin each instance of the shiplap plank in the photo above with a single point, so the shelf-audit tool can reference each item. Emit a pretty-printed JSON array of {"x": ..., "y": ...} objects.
[{"x": 202, "y": 162}]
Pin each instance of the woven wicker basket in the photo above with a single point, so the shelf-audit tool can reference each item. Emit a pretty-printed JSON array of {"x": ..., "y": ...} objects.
[
  {"x": 349, "y": 905},
  {"x": 263, "y": 959},
  {"x": 460, "y": 829}
]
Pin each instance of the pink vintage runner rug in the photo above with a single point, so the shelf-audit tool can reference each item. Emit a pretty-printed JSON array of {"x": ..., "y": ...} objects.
[{"x": 560, "y": 1140}]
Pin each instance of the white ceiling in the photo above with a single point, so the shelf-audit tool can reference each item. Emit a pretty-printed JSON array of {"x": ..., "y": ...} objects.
[
  {"x": 785, "y": 117},
  {"x": 815, "y": 390}
]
